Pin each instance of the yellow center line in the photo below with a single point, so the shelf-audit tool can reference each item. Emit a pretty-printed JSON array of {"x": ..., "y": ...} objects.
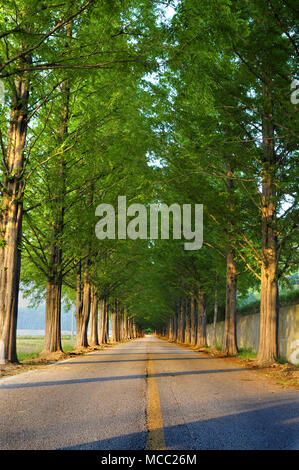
[{"x": 155, "y": 429}]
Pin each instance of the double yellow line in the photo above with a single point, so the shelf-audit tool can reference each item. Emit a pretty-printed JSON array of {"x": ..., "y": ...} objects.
[{"x": 155, "y": 429}]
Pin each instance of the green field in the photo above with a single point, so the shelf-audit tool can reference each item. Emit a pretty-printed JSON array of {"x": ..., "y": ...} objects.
[{"x": 29, "y": 347}]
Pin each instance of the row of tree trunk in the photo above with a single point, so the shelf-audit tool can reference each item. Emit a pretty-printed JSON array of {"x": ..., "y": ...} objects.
[
  {"x": 93, "y": 313},
  {"x": 188, "y": 324},
  {"x": 122, "y": 326},
  {"x": 93, "y": 317}
]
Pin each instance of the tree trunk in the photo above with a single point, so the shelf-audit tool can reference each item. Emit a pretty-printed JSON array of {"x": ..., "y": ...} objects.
[
  {"x": 201, "y": 321},
  {"x": 113, "y": 317},
  {"x": 187, "y": 321},
  {"x": 55, "y": 262},
  {"x": 268, "y": 344},
  {"x": 102, "y": 319},
  {"x": 10, "y": 286},
  {"x": 78, "y": 303},
  {"x": 11, "y": 219},
  {"x": 82, "y": 341},
  {"x": 52, "y": 341},
  {"x": 269, "y": 307},
  {"x": 107, "y": 323},
  {"x": 175, "y": 325},
  {"x": 129, "y": 328},
  {"x": 117, "y": 330},
  {"x": 53, "y": 294},
  {"x": 181, "y": 311},
  {"x": 126, "y": 323},
  {"x": 229, "y": 345},
  {"x": 170, "y": 329},
  {"x": 121, "y": 324},
  {"x": 214, "y": 335},
  {"x": 93, "y": 321},
  {"x": 134, "y": 330},
  {"x": 193, "y": 335}
]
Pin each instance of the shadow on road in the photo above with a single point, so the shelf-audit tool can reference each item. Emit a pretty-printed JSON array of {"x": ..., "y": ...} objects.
[
  {"x": 273, "y": 427},
  {"x": 116, "y": 378},
  {"x": 136, "y": 360}
]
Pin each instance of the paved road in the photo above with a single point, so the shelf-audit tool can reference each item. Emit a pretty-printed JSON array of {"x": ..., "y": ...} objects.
[{"x": 146, "y": 393}]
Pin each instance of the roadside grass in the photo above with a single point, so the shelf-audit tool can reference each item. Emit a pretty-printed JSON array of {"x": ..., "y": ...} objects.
[
  {"x": 247, "y": 353},
  {"x": 243, "y": 353},
  {"x": 287, "y": 383},
  {"x": 283, "y": 360},
  {"x": 29, "y": 347}
]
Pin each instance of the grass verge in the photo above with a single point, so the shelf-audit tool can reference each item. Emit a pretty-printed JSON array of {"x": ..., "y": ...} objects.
[{"x": 29, "y": 347}]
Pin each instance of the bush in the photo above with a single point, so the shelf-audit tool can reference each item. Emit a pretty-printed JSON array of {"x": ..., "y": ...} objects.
[{"x": 288, "y": 298}]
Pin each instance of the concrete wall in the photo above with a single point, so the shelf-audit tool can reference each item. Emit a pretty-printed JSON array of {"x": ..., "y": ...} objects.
[{"x": 248, "y": 332}]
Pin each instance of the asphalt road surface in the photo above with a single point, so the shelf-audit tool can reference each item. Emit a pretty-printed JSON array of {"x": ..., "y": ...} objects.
[{"x": 146, "y": 393}]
